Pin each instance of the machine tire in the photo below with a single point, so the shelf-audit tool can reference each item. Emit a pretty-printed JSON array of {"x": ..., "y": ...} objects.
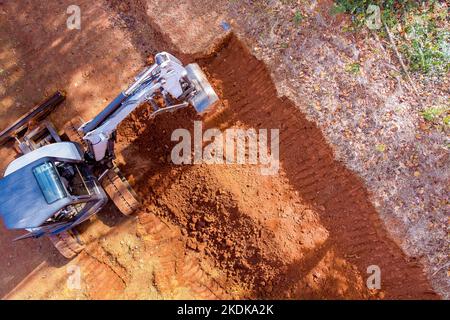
[
  {"x": 120, "y": 192},
  {"x": 68, "y": 243},
  {"x": 71, "y": 130}
]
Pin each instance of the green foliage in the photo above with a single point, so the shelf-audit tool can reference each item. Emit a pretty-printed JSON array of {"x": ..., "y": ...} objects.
[
  {"x": 354, "y": 68},
  {"x": 381, "y": 147},
  {"x": 338, "y": 8},
  {"x": 430, "y": 114},
  {"x": 426, "y": 45},
  {"x": 437, "y": 115},
  {"x": 421, "y": 29},
  {"x": 298, "y": 18}
]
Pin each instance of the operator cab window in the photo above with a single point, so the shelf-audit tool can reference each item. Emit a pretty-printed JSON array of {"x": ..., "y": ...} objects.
[
  {"x": 49, "y": 182},
  {"x": 73, "y": 179}
]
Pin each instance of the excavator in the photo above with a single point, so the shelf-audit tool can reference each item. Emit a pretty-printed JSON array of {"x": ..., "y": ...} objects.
[{"x": 60, "y": 180}]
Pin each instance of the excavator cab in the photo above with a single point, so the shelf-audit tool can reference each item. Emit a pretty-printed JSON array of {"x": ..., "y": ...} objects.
[{"x": 51, "y": 188}]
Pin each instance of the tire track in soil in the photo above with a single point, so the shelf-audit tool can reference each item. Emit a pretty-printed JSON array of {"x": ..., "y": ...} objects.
[
  {"x": 102, "y": 278},
  {"x": 355, "y": 228},
  {"x": 213, "y": 221},
  {"x": 176, "y": 268}
]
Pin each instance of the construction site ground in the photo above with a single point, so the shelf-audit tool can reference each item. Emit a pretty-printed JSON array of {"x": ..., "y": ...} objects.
[{"x": 203, "y": 231}]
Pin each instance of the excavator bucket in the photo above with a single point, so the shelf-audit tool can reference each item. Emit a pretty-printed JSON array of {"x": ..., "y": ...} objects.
[{"x": 205, "y": 96}]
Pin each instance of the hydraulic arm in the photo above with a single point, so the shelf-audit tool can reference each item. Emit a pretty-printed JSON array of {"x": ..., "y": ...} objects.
[{"x": 179, "y": 86}]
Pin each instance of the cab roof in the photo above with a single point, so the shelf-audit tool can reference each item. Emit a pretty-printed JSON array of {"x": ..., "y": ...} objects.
[
  {"x": 65, "y": 150},
  {"x": 22, "y": 202}
]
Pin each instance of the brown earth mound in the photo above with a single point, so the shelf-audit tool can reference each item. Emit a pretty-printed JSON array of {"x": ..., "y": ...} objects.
[{"x": 309, "y": 232}]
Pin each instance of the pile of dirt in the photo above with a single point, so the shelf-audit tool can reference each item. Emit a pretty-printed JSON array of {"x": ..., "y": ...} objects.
[
  {"x": 309, "y": 232},
  {"x": 191, "y": 198}
]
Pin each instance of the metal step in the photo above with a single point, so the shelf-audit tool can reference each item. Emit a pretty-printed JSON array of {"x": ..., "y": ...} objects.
[{"x": 37, "y": 114}]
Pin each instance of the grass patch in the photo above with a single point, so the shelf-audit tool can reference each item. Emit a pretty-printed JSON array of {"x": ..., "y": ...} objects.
[
  {"x": 381, "y": 147},
  {"x": 446, "y": 120},
  {"x": 432, "y": 113},
  {"x": 438, "y": 115},
  {"x": 298, "y": 18},
  {"x": 354, "y": 68},
  {"x": 421, "y": 29}
]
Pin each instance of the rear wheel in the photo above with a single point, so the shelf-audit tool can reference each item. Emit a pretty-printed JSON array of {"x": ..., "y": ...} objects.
[
  {"x": 120, "y": 192},
  {"x": 68, "y": 243}
]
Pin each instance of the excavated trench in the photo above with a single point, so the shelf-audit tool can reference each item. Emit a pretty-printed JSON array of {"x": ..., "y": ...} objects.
[{"x": 308, "y": 232}]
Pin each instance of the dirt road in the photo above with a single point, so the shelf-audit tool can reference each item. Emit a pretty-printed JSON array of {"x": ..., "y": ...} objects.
[{"x": 204, "y": 231}]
